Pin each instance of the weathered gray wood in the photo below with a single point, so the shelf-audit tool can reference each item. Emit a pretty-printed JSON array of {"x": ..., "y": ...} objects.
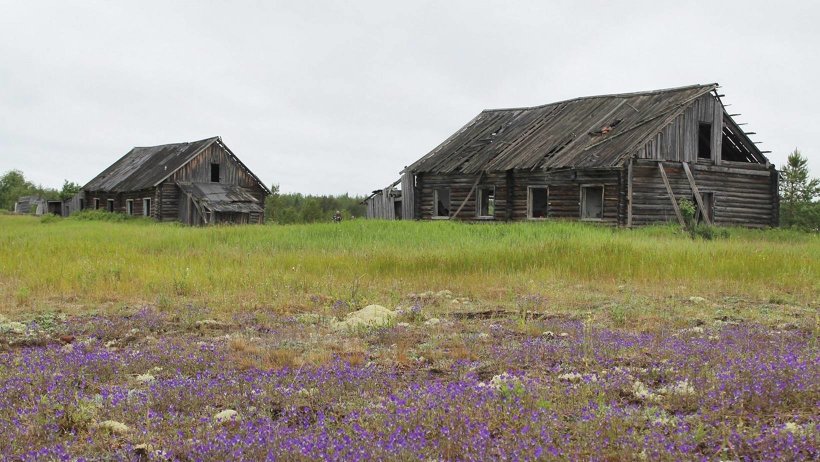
[
  {"x": 629, "y": 195},
  {"x": 671, "y": 194},
  {"x": 696, "y": 193},
  {"x": 408, "y": 196},
  {"x": 472, "y": 190}
]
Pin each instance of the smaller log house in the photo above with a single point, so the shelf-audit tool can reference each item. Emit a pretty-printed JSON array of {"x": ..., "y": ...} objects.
[
  {"x": 197, "y": 183},
  {"x": 623, "y": 159}
]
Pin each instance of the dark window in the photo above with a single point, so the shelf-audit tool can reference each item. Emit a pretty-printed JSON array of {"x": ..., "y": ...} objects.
[
  {"x": 705, "y": 141},
  {"x": 537, "y": 202},
  {"x": 110, "y": 205},
  {"x": 214, "y": 173},
  {"x": 485, "y": 202},
  {"x": 592, "y": 202},
  {"x": 441, "y": 203},
  {"x": 96, "y": 204},
  {"x": 397, "y": 210},
  {"x": 82, "y": 204}
]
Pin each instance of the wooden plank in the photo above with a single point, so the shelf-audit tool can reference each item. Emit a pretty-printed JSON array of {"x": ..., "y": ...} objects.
[
  {"x": 408, "y": 196},
  {"x": 671, "y": 194},
  {"x": 696, "y": 192},
  {"x": 472, "y": 190}
]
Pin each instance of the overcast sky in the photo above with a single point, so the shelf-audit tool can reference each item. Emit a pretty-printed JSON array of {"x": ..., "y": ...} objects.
[{"x": 335, "y": 97}]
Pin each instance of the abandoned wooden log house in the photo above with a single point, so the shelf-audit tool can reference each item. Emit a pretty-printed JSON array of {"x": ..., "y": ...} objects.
[
  {"x": 623, "y": 159},
  {"x": 197, "y": 183}
]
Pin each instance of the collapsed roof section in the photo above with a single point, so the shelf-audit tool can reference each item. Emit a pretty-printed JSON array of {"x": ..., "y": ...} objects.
[
  {"x": 223, "y": 198},
  {"x": 589, "y": 132}
]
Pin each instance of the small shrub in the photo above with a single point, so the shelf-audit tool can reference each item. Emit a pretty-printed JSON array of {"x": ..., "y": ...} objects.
[
  {"x": 708, "y": 233},
  {"x": 687, "y": 209},
  {"x": 50, "y": 218}
]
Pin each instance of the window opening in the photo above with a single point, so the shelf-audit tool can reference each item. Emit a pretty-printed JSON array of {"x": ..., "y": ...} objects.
[
  {"x": 486, "y": 202},
  {"x": 733, "y": 150},
  {"x": 397, "y": 210},
  {"x": 146, "y": 207},
  {"x": 704, "y": 141},
  {"x": 214, "y": 173},
  {"x": 129, "y": 206},
  {"x": 96, "y": 204},
  {"x": 592, "y": 202},
  {"x": 110, "y": 205},
  {"x": 537, "y": 202},
  {"x": 441, "y": 203}
]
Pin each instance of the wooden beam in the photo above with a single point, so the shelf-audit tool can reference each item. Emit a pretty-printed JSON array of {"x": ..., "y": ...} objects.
[
  {"x": 671, "y": 194},
  {"x": 470, "y": 194},
  {"x": 696, "y": 192}
]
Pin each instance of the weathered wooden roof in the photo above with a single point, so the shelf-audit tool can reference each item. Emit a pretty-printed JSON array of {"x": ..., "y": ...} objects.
[
  {"x": 593, "y": 131},
  {"x": 145, "y": 167},
  {"x": 219, "y": 197}
]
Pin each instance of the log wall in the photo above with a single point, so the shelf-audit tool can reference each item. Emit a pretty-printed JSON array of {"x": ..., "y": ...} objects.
[
  {"x": 511, "y": 193},
  {"x": 120, "y": 200},
  {"x": 744, "y": 194}
]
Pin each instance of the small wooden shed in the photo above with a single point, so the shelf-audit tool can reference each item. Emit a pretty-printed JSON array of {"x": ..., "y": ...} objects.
[
  {"x": 623, "y": 159},
  {"x": 35, "y": 205},
  {"x": 197, "y": 183}
]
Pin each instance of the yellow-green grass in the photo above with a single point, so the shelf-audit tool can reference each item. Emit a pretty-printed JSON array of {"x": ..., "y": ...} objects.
[{"x": 568, "y": 267}]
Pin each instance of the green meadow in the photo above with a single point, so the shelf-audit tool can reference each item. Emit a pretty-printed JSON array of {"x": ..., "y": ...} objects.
[{"x": 624, "y": 277}]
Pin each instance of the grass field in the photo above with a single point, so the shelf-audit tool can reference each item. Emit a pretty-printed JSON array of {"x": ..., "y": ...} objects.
[
  {"x": 535, "y": 341},
  {"x": 629, "y": 275}
]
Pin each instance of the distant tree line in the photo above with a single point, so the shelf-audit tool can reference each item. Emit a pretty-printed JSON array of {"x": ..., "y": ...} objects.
[
  {"x": 299, "y": 208},
  {"x": 13, "y": 184}
]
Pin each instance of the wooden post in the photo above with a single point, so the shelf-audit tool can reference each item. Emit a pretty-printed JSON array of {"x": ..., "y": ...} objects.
[
  {"x": 510, "y": 195},
  {"x": 775, "y": 192},
  {"x": 629, "y": 195},
  {"x": 671, "y": 194},
  {"x": 696, "y": 192}
]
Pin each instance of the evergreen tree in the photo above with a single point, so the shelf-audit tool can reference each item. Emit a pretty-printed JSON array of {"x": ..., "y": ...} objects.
[{"x": 797, "y": 194}]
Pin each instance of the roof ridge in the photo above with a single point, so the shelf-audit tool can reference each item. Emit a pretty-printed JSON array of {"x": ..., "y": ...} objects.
[
  {"x": 176, "y": 144},
  {"x": 612, "y": 95}
]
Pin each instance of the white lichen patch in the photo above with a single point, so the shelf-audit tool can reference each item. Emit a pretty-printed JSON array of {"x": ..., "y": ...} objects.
[
  {"x": 369, "y": 316},
  {"x": 228, "y": 415},
  {"x": 681, "y": 388},
  {"x": 640, "y": 391},
  {"x": 114, "y": 427}
]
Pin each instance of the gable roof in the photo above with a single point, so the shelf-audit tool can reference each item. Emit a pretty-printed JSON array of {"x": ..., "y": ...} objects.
[
  {"x": 593, "y": 131},
  {"x": 144, "y": 167}
]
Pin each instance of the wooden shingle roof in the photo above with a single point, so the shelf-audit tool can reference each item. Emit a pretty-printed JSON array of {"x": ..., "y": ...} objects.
[
  {"x": 589, "y": 132},
  {"x": 145, "y": 167}
]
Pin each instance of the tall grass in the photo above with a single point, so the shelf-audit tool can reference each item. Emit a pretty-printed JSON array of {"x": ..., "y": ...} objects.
[{"x": 86, "y": 263}]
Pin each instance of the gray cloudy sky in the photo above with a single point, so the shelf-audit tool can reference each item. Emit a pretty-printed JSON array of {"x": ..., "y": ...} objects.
[{"x": 334, "y": 97}]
